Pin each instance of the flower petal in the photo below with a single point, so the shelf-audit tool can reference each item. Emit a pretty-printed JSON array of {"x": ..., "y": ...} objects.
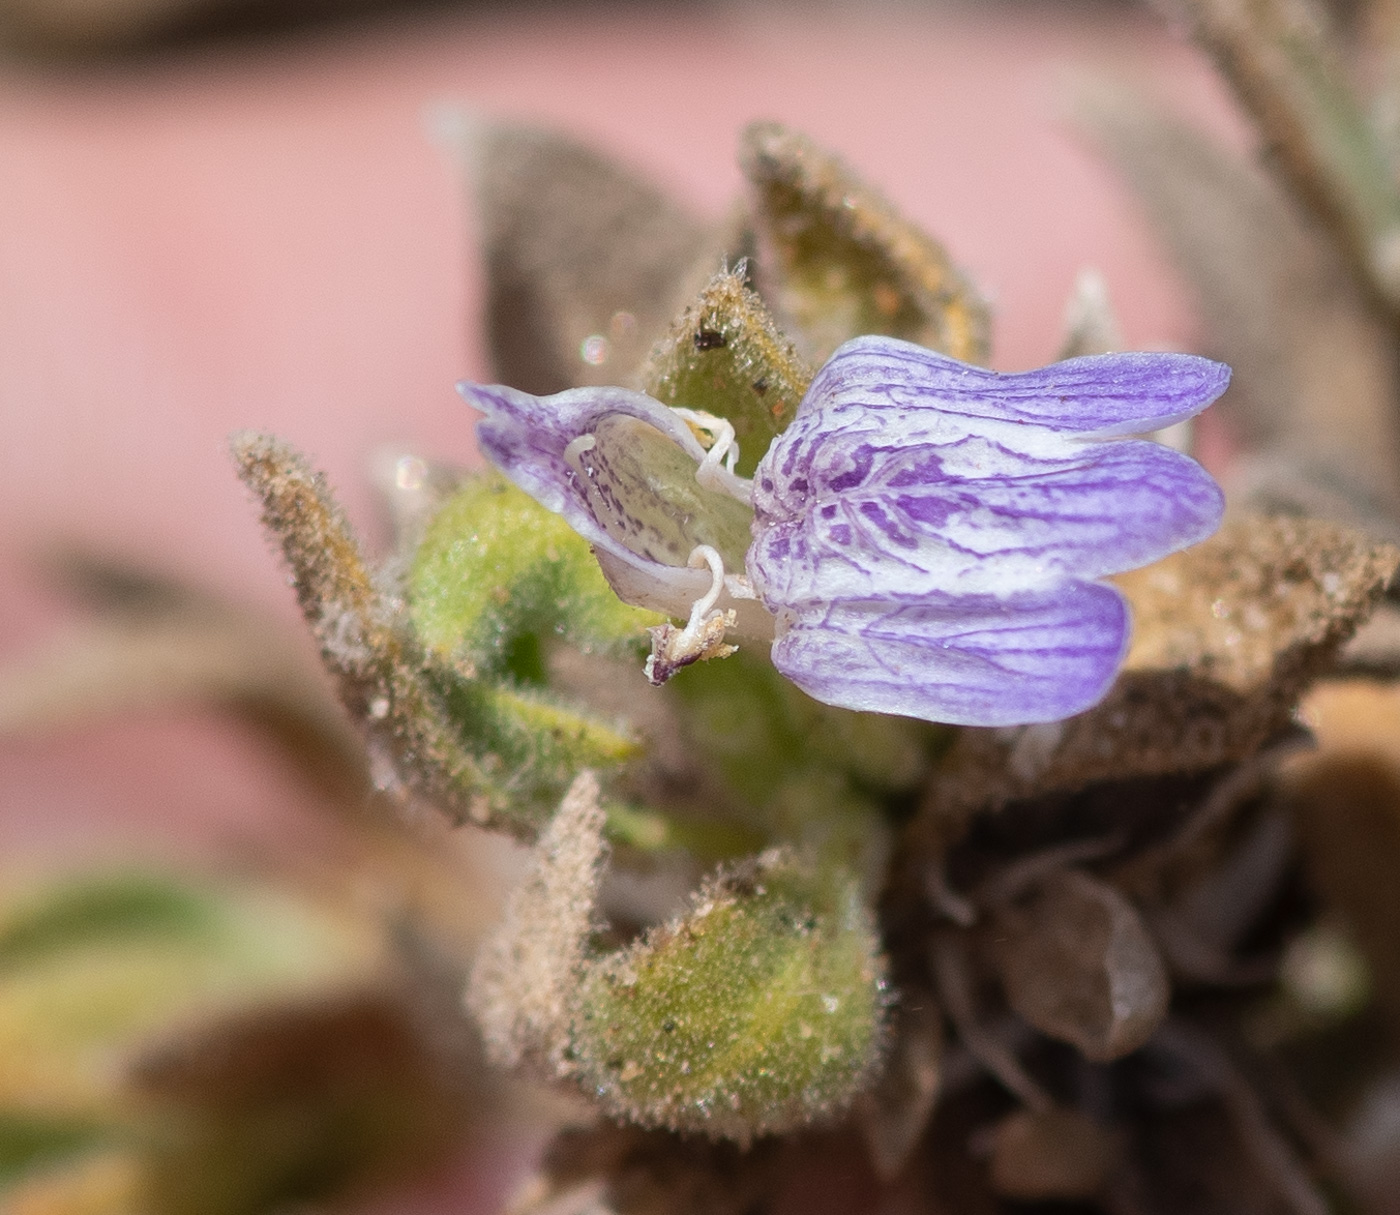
[
  {"x": 1100, "y": 395},
  {"x": 961, "y": 660},
  {"x": 974, "y": 516},
  {"x": 620, "y": 468}
]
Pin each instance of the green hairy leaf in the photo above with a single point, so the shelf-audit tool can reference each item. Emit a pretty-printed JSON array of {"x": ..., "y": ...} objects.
[
  {"x": 759, "y": 1010},
  {"x": 725, "y": 356},
  {"x": 497, "y": 575}
]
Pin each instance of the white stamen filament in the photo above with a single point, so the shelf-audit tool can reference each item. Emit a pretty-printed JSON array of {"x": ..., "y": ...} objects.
[
  {"x": 575, "y": 450},
  {"x": 723, "y": 447},
  {"x": 703, "y": 554}
]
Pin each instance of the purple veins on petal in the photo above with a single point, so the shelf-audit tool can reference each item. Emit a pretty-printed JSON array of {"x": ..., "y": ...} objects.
[
  {"x": 927, "y": 533},
  {"x": 1100, "y": 395},
  {"x": 973, "y": 660},
  {"x": 1091, "y": 510}
]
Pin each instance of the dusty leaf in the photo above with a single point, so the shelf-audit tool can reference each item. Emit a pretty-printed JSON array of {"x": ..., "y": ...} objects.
[
  {"x": 1078, "y": 964},
  {"x": 837, "y": 260},
  {"x": 1226, "y": 637},
  {"x": 586, "y": 262},
  {"x": 1315, "y": 381},
  {"x": 497, "y": 755},
  {"x": 497, "y": 579},
  {"x": 525, "y": 979},
  {"x": 725, "y": 356}
]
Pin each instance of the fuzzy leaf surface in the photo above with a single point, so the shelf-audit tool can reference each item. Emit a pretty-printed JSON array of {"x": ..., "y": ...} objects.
[
  {"x": 756, "y": 1012},
  {"x": 725, "y": 356},
  {"x": 838, "y": 260}
]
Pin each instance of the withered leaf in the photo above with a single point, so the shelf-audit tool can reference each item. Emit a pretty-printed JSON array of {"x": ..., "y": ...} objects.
[
  {"x": 837, "y": 260},
  {"x": 1275, "y": 1162},
  {"x": 1315, "y": 376},
  {"x": 895, "y": 1113},
  {"x": 586, "y": 262},
  {"x": 1226, "y": 637},
  {"x": 1346, "y": 808},
  {"x": 725, "y": 356},
  {"x": 1055, "y": 1154},
  {"x": 1078, "y": 964},
  {"x": 382, "y": 675}
]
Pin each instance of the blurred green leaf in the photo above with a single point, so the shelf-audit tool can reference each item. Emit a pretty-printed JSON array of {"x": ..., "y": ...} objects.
[
  {"x": 31, "y": 1141},
  {"x": 106, "y": 910}
]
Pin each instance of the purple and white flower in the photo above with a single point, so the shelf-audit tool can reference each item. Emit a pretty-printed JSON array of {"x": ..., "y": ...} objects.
[{"x": 927, "y": 537}]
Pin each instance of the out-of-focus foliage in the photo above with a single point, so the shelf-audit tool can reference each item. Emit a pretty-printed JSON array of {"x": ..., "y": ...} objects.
[{"x": 178, "y": 1046}]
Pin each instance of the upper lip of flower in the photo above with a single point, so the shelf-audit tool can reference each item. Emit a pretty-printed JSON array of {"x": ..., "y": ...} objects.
[
  {"x": 926, "y": 534},
  {"x": 536, "y": 442}
]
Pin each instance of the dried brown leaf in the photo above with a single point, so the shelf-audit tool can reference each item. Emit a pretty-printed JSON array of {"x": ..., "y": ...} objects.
[
  {"x": 1346, "y": 808},
  {"x": 895, "y": 1113},
  {"x": 1204, "y": 924},
  {"x": 1315, "y": 377},
  {"x": 586, "y": 262},
  {"x": 379, "y": 670},
  {"x": 837, "y": 260},
  {"x": 1227, "y": 635},
  {"x": 1078, "y": 964},
  {"x": 1054, "y": 1154},
  {"x": 953, "y": 973},
  {"x": 1264, "y": 1146}
]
